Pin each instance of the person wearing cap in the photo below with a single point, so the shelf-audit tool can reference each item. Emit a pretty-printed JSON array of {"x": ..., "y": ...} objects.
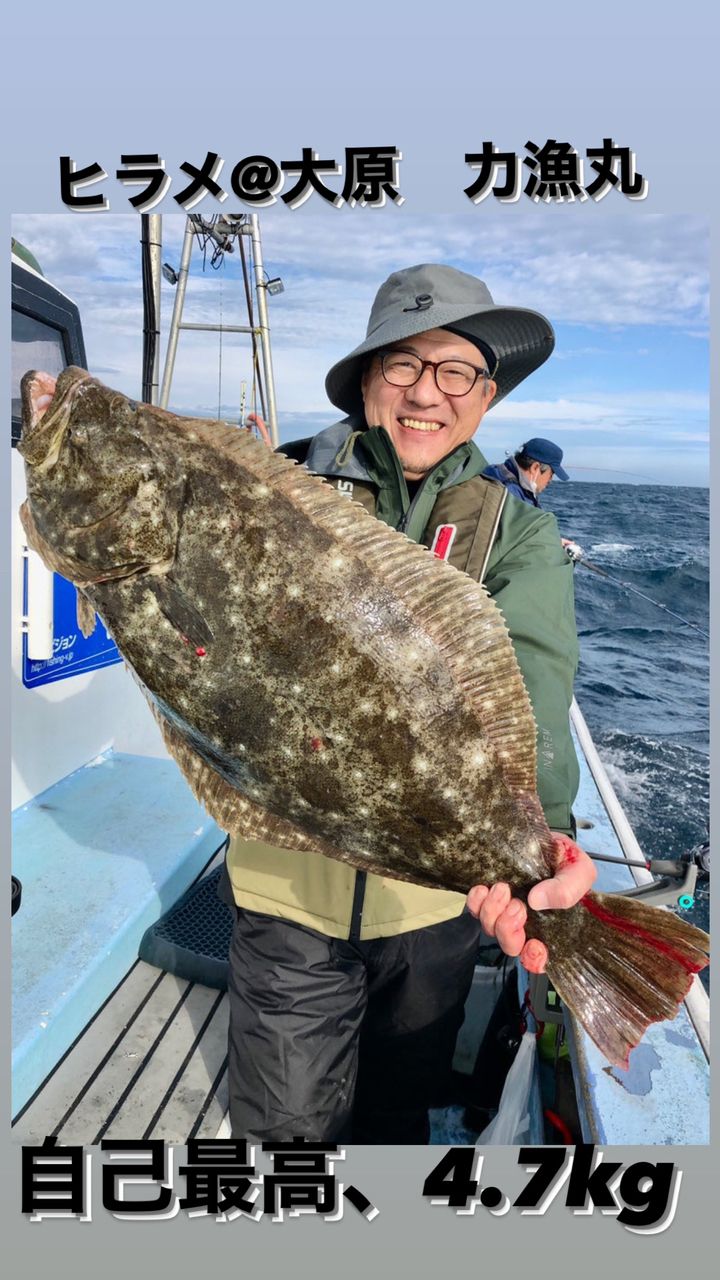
[
  {"x": 530, "y": 470},
  {"x": 346, "y": 989}
]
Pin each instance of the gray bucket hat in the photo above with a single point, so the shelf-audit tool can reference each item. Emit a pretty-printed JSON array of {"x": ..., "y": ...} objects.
[{"x": 432, "y": 296}]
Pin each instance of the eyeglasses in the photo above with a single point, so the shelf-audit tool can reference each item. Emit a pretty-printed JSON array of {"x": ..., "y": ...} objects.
[{"x": 452, "y": 377}]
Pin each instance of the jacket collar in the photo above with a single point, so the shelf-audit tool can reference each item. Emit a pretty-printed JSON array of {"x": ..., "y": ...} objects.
[
  {"x": 351, "y": 450},
  {"x": 512, "y": 466}
]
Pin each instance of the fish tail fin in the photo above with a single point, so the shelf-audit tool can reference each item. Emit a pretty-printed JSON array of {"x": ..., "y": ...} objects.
[{"x": 619, "y": 965}]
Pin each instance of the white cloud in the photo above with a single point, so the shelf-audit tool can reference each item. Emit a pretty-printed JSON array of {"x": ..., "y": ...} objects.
[
  {"x": 622, "y": 269},
  {"x": 650, "y": 410},
  {"x": 606, "y": 272}
]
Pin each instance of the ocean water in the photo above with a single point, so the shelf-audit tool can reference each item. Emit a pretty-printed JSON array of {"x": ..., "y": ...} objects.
[{"x": 643, "y": 682}]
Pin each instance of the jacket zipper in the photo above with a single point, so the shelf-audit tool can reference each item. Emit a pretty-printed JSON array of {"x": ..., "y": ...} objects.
[
  {"x": 402, "y": 527},
  {"x": 402, "y": 483},
  {"x": 357, "y": 906}
]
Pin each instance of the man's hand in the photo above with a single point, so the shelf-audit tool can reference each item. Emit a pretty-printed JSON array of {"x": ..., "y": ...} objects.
[
  {"x": 573, "y": 550},
  {"x": 254, "y": 420},
  {"x": 503, "y": 917}
]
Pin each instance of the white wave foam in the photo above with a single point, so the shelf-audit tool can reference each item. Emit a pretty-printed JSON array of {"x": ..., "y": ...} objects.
[{"x": 632, "y": 787}]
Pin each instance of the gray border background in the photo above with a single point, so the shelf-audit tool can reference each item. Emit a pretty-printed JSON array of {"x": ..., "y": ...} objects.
[{"x": 435, "y": 83}]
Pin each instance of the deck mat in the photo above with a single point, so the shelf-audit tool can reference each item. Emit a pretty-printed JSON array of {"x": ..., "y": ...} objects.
[{"x": 192, "y": 939}]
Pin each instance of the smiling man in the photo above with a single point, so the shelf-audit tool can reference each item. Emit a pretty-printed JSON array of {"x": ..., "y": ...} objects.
[
  {"x": 347, "y": 989},
  {"x": 429, "y": 393}
]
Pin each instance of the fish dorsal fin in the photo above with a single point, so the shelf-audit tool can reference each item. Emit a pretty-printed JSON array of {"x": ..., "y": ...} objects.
[
  {"x": 457, "y": 613},
  {"x": 468, "y": 627}
]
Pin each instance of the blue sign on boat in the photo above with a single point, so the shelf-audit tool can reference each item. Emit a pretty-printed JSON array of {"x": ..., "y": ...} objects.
[{"x": 73, "y": 654}]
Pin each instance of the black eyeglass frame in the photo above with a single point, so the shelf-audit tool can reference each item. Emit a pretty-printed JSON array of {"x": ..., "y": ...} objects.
[{"x": 434, "y": 365}]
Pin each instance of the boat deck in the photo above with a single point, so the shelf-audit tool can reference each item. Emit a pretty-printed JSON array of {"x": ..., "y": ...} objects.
[
  {"x": 151, "y": 1064},
  {"x": 101, "y": 855},
  {"x": 105, "y": 1045}
]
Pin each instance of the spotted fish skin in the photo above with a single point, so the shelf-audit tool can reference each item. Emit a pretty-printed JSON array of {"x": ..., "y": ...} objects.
[
  {"x": 324, "y": 683},
  {"x": 324, "y": 694}
]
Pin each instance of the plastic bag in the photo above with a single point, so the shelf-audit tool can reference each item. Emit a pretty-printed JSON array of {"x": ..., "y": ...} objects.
[{"x": 511, "y": 1125}]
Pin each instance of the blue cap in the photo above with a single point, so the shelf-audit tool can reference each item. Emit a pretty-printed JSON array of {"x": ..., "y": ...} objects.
[{"x": 548, "y": 454}]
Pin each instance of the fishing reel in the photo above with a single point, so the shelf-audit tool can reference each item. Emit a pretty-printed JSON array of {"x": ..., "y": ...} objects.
[
  {"x": 701, "y": 857},
  {"x": 677, "y": 878},
  {"x": 573, "y": 550}
]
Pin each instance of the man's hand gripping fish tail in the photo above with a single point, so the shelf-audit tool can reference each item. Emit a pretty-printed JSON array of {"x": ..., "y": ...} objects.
[{"x": 503, "y": 917}]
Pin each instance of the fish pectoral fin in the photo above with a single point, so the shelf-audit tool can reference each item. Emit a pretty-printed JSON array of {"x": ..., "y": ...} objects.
[
  {"x": 51, "y": 558},
  {"x": 33, "y": 538},
  {"x": 86, "y": 616},
  {"x": 179, "y": 610}
]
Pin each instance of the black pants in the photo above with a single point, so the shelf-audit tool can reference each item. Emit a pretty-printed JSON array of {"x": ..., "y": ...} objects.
[{"x": 339, "y": 1041}]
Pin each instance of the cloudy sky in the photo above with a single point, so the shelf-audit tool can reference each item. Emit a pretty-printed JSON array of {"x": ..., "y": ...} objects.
[{"x": 625, "y": 392}]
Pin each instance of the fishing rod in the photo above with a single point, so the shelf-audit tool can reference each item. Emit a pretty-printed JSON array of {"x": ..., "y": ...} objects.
[
  {"x": 577, "y": 555},
  {"x": 700, "y": 856},
  {"x": 678, "y": 876},
  {"x": 614, "y": 471}
]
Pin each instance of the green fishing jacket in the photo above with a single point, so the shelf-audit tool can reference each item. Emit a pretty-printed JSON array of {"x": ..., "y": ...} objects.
[{"x": 515, "y": 551}]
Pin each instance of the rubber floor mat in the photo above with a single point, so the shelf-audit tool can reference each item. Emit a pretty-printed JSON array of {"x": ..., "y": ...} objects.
[{"x": 192, "y": 939}]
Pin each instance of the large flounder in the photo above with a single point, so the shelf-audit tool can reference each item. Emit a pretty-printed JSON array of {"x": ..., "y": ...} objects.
[{"x": 324, "y": 683}]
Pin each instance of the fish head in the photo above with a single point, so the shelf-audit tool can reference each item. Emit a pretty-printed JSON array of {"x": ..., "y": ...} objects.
[{"x": 98, "y": 505}]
